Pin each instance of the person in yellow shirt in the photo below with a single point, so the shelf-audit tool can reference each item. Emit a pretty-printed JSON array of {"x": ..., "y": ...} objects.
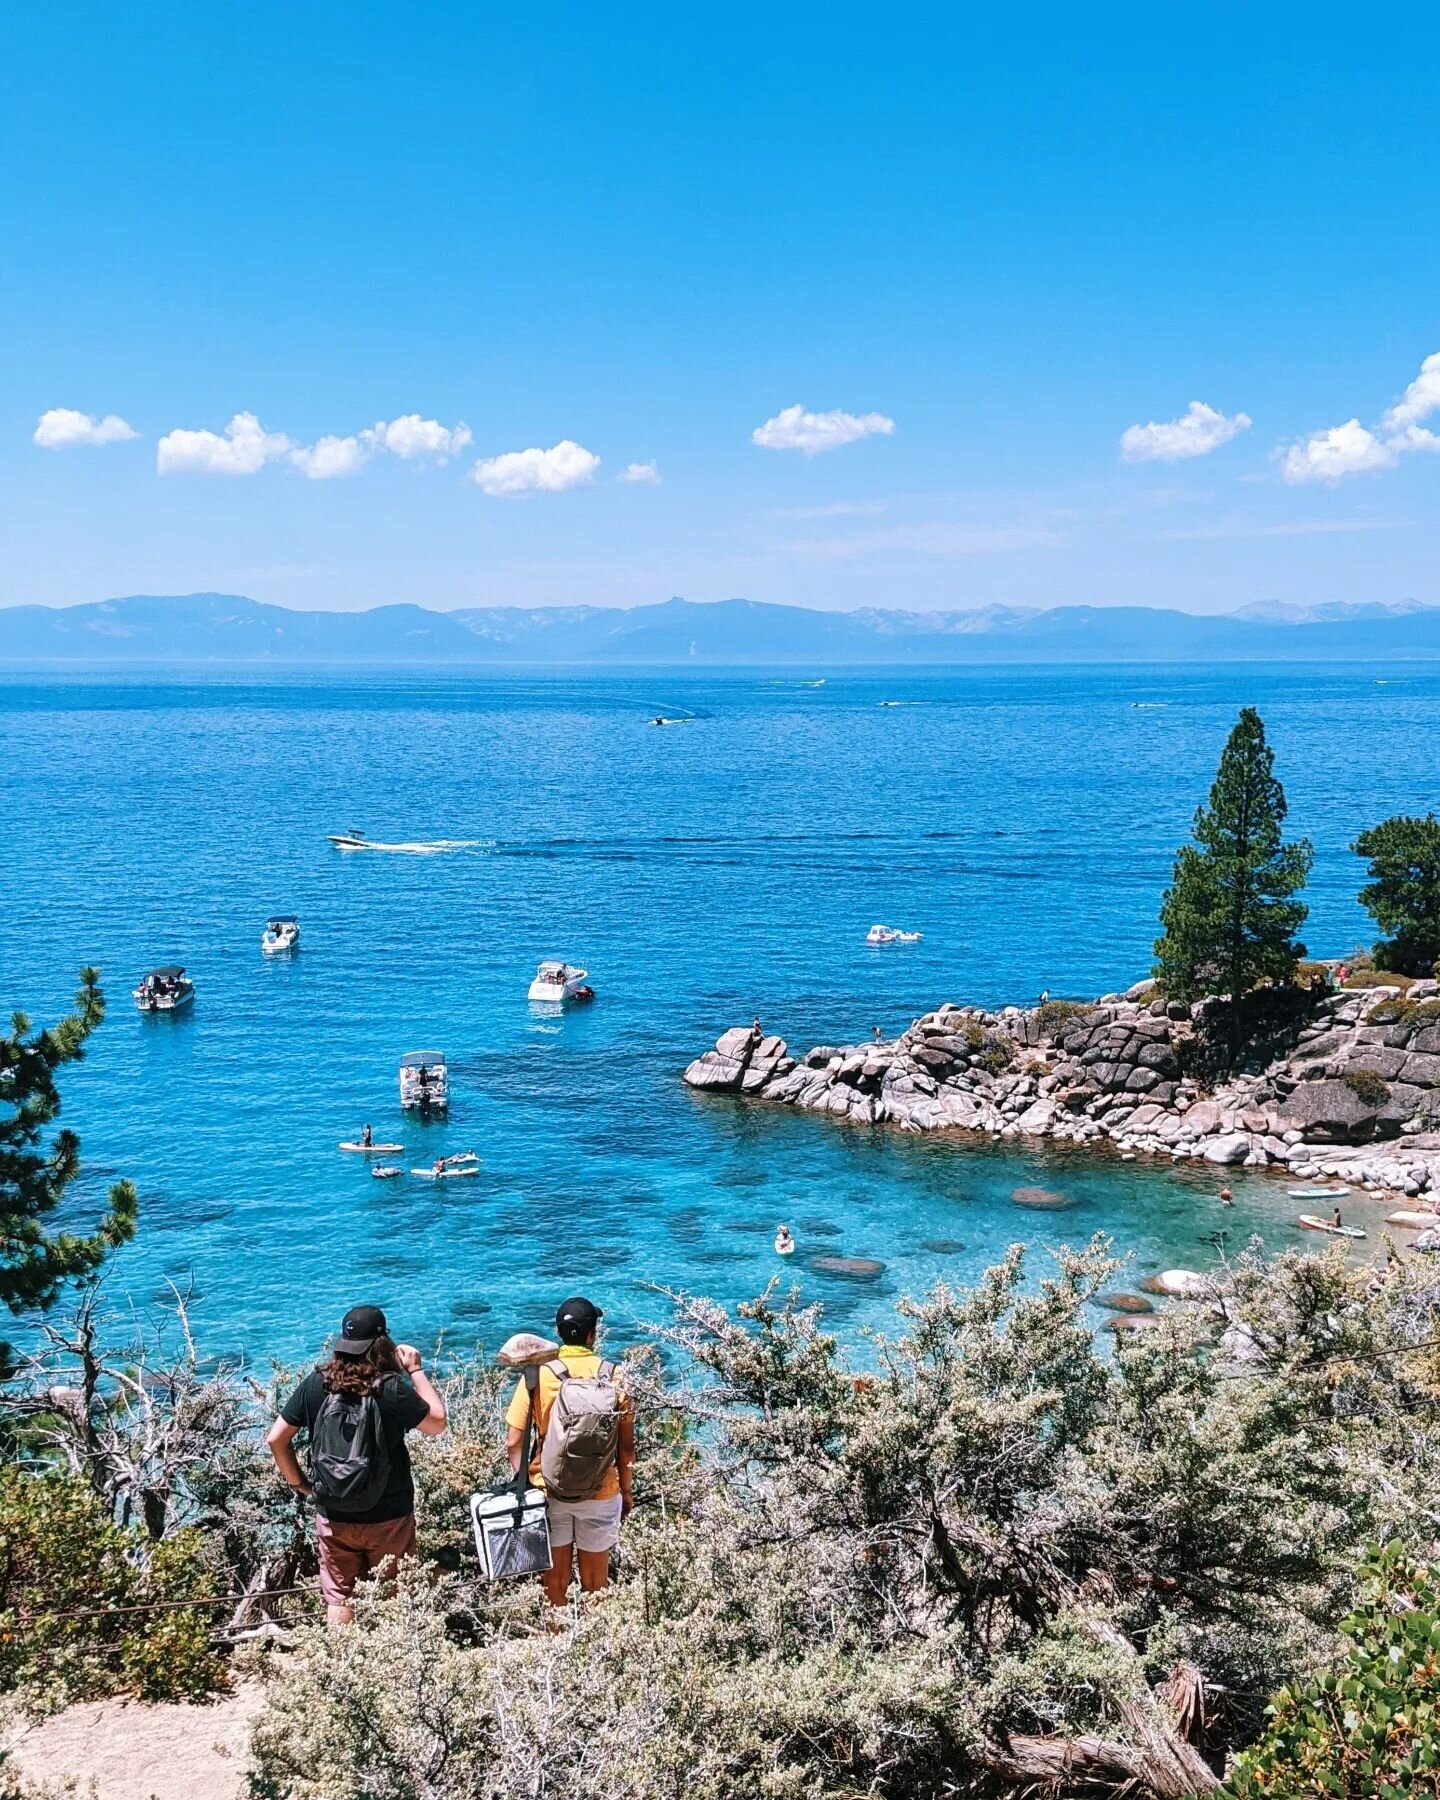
[{"x": 591, "y": 1527}]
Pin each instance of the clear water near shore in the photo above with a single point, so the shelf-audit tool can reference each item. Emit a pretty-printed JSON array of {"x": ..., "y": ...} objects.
[{"x": 1024, "y": 820}]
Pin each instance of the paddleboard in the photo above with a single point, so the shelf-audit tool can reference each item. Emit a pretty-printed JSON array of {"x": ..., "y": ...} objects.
[
  {"x": 373, "y": 1149},
  {"x": 1317, "y": 1193},
  {"x": 1308, "y": 1222}
]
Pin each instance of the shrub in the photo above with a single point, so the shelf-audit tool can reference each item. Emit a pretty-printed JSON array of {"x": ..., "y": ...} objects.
[
  {"x": 1036, "y": 1068},
  {"x": 1367, "y": 1085},
  {"x": 1373, "y": 978},
  {"x": 1051, "y": 1015},
  {"x": 61, "y": 1561},
  {"x": 1366, "y": 1730},
  {"x": 1388, "y": 1012}
]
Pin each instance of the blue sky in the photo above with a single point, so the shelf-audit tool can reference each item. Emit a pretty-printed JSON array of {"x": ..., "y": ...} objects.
[{"x": 625, "y": 237}]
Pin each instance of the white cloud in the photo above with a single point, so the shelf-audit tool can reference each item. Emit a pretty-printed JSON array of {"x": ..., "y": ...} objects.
[
  {"x": 564, "y": 465},
  {"x": 1354, "y": 449},
  {"x": 645, "y": 472},
  {"x": 412, "y": 437},
  {"x": 795, "y": 429},
  {"x": 331, "y": 457},
  {"x": 62, "y": 428},
  {"x": 1347, "y": 449},
  {"x": 245, "y": 449},
  {"x": 1419, "y": 400},
  {"x": 1198, "y": 431}
]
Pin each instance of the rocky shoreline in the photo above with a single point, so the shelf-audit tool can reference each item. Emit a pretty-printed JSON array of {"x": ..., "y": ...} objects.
[{"x": 1348, "y": 1086}]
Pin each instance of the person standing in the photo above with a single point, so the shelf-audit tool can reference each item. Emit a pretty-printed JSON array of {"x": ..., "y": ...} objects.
[
  {"x": 356, "y": 1409},
  {"x": 585, "y": 1451}
]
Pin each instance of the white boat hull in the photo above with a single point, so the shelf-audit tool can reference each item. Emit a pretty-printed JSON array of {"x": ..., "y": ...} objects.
[{"x": 164, "y": 1003}]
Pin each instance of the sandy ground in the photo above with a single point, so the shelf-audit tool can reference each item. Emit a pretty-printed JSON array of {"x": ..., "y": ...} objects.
[{"x": 131, "y": 1751}]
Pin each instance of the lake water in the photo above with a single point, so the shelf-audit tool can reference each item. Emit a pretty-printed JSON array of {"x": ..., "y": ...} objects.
[{"x": 1023, "y": 819}]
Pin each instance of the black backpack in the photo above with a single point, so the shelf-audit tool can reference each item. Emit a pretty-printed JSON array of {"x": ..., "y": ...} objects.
[{"x": 349, "y": 1454}]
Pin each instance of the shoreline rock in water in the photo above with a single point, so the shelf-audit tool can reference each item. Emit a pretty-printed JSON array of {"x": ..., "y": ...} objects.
[{"x": 1350, "y": 1088}]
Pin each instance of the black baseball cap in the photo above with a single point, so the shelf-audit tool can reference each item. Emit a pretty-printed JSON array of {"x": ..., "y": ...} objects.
[
  {"x": 576, "y": 1318},
  {"x": 359, "y": 1329}
]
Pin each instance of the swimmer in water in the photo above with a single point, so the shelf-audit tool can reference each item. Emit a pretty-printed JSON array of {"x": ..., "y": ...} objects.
[{"x": 1226, "y": 1197}]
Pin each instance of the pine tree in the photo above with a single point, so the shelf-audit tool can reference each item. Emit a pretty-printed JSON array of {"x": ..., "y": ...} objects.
[
  {"x": 35, "y": 1262},
  {"x": 1229, "y": 916},
  {"x": 1403, "y": 895}
]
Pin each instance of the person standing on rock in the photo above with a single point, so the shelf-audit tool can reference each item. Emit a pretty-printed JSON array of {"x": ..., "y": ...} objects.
[
  {"x": 585, "y": 1451},
  {"x": 356, "y": 1409}
]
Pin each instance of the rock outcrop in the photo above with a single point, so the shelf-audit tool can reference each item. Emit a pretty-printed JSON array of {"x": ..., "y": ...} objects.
[{"x": 1351, "y": 1088}]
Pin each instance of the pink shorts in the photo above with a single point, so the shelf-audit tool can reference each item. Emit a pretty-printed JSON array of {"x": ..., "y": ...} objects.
[{"x": 349, "y": 1551}]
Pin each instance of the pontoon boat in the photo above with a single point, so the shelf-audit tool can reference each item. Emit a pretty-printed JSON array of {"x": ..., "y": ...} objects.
[
  {"x": 558, "y": 982},
  {"x": 165, "y": 990},
  {"x": 280, "y": 933},
  {"x": 887, "y": 934},
  {"x": 424, "y": 1080}
]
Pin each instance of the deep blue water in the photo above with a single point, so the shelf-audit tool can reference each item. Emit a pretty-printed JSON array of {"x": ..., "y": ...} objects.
[{"x": 1023, "y": 819}]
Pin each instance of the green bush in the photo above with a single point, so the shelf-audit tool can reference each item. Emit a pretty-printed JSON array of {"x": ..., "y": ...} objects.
[
  {"x": 1373, "y": 978},
  {"x": 1367, "y": 1085},
  {"x": 62, "y": 1562},
  {"x": 1389, "y": 1012},
  {"x": 1053, "y": 1015},
  {"x": 1369, "y": 1729}
]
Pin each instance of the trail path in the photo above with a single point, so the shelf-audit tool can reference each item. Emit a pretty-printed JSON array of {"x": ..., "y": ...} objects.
[{"x": 133, "y": 1751}]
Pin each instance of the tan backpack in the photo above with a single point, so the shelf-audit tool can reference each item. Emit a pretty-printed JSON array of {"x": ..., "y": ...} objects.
[{"x": 582, "y": 1435}]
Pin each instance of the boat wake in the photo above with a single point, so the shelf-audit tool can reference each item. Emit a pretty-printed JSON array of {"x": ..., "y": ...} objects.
[{"x": 425, "y": 847}]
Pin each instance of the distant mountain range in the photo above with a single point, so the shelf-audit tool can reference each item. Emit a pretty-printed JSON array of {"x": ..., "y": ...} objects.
[{"x": 230, "y": 628}]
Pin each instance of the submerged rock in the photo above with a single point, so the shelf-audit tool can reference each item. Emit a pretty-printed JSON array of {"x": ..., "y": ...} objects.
[
  {"x": 1040, "y": 1199},
  {"x": 851, "y": 1268},
  {"x": 1124, "y": 1303}
]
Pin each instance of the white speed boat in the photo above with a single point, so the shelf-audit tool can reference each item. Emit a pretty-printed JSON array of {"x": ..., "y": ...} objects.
[
  {"x": 557, "y": 982},
  {"x": 280, "y": 933},
  {"x": 887, "y": 934},
  {"x": 165, "y": 990},
  {"x": 424, "y": 1081},
  {"x": 349, "y": 840}
]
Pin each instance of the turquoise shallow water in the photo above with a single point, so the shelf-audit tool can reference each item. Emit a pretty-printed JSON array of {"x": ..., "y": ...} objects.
[{"x": 1023, "y": 819}]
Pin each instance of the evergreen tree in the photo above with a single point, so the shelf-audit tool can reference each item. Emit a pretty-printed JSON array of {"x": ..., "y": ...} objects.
[
  {"x": 1403, "y": 894},
  {"x": 1229, "y": 916},
  {"x": 35, "y": 1262}
]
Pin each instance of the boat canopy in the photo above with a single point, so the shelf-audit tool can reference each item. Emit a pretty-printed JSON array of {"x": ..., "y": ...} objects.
[
  {"x": 552, "y": 968},
  {"x": 170, "y": 972},
  {"x": 423, "y": 1059},
  {"x": 281, "y": 919}
]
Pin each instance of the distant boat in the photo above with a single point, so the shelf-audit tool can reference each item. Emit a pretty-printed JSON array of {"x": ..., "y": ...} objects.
[
  {"x": 424, "y": 1081},
  {"x": 349, "y": 840},
  {"x": 280, "y": 933},
  {"x": 357, "y": 840},
  {"x": 819, "y": 683},
  {"x": 661, "y": 719},
  {"x": 887, "y": 934},
  {"x": 167, "y": 990},
  {"x": 557, "y": 982}
]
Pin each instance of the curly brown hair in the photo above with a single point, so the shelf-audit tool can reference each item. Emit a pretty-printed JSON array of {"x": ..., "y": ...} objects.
[{"x": 344, "y": 1374}]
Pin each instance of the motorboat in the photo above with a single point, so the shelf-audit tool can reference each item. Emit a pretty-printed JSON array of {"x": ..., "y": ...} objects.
[
  {"x": 887, "y": 934},
  {"x": 166, "y": 990},
  {"x": 558, "y": 982},
  {"x": 424, "y": 1080},
  {"x": 349, "y": 840},
  {"x": 280, "y": 933}
]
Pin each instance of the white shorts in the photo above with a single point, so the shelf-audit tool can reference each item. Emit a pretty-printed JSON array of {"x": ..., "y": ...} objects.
[{"x": 587, "y": 1524}]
